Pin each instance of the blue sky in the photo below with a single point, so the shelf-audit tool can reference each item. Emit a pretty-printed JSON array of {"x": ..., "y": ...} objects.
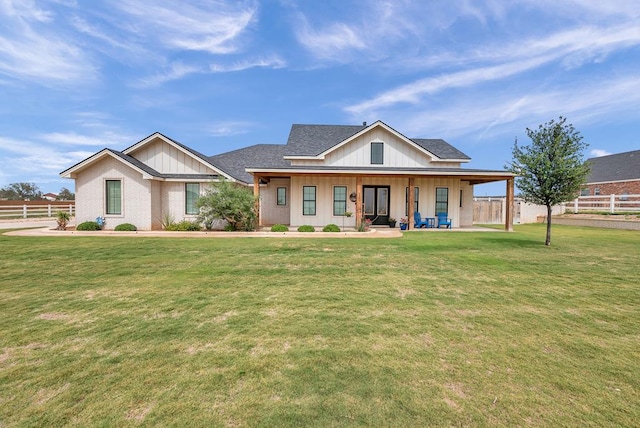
[{"x": 78, "y": 76}]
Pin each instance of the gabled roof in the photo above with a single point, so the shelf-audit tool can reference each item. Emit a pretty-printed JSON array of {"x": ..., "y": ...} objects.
[
  {"x": 146, "y": 171},
  {"x": 317, "y": 140},
  {"x": 618, "y": 167},
  {"x": 260, "y": 156},
  {"x": 187, "y": 150}
]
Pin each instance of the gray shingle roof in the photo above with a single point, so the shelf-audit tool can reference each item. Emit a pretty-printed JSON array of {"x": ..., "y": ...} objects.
[
  {"x": 311, "y": 140},
  {"x": 258, "y": 156},
  {"x": 621, "y": 166},
  {"x": 146, "y": 168}
]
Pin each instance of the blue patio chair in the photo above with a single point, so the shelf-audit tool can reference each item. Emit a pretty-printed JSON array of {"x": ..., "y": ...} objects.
[
  {"x": 443, "y": 220},
  {"x": 419, "y": 221}
]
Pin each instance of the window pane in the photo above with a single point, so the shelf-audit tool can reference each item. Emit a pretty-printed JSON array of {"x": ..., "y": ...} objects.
[
  {"x": 383, "y": 196},
  {"x": 309, "y": 200},
  {"x": 377, "y": 153},
  {"x": 192, "y": 193},
  {"x": 416, "y": 199},
  {"x": 339, "y": 200},
  {"x": 442, "y": 200},
  {"x": 369, "y": 201},
  {"x": 282, "y": 196},
  {"x": 114, "y": 197}
]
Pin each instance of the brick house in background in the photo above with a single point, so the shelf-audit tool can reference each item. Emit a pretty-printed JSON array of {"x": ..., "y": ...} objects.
[{"x": 617, "y": 174}]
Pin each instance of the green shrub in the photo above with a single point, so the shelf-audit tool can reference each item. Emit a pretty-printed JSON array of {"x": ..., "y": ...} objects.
[
  {"x": 229, "y": 228},
  {"x": 279, "y": 228},
  {"x": 331, "y": 228},
  {"x": 88, "y": 225},
  {"x": 125, "y": 227},
  {"x": 184, "y": 226},
  {"x": 306, "y": 228}
]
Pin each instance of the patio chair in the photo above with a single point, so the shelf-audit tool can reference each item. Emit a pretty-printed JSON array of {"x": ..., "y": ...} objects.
[
  {"x": 419, "y": 221},
  {"x": 443, "y": 220}
]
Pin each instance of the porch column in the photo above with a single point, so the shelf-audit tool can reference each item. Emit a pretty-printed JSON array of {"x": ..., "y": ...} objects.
[
  {"x": 508, "y": 221},
  {"x": 358, "y": 201},
  {"x": 256, "y": 193},
  {"x": 412, "y": 202}
]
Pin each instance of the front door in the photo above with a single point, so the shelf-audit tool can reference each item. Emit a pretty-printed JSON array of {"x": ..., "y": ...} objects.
[{"x": 376, "y": 204}]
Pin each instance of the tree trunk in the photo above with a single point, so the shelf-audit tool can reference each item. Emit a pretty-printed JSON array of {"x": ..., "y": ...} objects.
[{"x": 548, "y": 240}]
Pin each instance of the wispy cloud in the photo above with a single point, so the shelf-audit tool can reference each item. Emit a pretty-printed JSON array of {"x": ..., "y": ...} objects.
[
  {"x": 209, "y": 26},
  {"x": 31, "y": 48},
  {"x": 106, "y": 139},
  {"x": 174, "y": 71},
  {"x": 599, "y": 152},
  {"x": 229, "y": 128},
  {"x": 274, "y": 63}
]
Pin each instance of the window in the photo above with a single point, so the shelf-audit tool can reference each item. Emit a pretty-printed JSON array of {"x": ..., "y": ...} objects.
[
  {"x": 442, "y": 200},
  {"x": 596, "y": 191},
  {"x": 192, "y": 193},
  {"x": 584, "y": 192},
  {"x": 282, "y": 196},
  {"x": 114, "y": 197},
  {"x": 339, "y": 200},
  {"x": 416, "y": 198},
  {"x": 624, "y": 196},
  {"x": 308, "y": 200},
  {"x": 460, "y": 198},
  {"x": 377, "y": 153}
]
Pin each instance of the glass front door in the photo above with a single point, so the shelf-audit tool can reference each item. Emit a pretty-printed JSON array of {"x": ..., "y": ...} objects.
[{"x": 376, "y": 204}]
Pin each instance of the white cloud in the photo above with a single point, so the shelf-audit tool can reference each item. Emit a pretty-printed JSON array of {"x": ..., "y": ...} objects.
[
  {"x": 228, "y": 128},
  {"x": 273, "y": 63},
  {"x": 175, "y": 71},
  {"x": 599, "y": 152},
  {"x": 107, "y": 139},
  {"x": 210, "y": 26}
]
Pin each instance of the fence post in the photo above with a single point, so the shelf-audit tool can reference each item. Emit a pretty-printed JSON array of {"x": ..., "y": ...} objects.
[
  {"x": 612, "y": 203},
  {"x": 24, "y": 211},
  {"x": 575, "y": 206},
  {"x": 49, "y": 210},
  {"x": 71, "y": 210}
]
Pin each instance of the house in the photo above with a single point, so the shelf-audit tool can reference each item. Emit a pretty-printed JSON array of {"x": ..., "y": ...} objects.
[
  {"x": 321, "y": 172},
  {"x": 617, "y": 174},
  {"x": 50, "y": 196}
]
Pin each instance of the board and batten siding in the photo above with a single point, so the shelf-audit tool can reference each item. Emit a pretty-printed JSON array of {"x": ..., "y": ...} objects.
[
  {"x": 270, "y": 212},
  {"x": 91, "y": 189},
  {"x": 397, "y": 154},
  {"x": 168, "y": 159},
  {"x": 398, "y": 185}
]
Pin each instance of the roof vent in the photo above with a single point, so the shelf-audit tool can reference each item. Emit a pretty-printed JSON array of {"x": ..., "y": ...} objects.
[{"x": 364, "y": 123}]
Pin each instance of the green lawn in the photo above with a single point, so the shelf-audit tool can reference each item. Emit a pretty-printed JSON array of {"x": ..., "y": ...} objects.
[{"x": 430, "y": 329}]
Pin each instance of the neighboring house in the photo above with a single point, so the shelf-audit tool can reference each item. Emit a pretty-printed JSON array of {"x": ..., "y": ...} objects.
[
  {"x": 617, "y": 174},
  {"x": 50, "y": 196},
  {"x": 322, "y": 172}
]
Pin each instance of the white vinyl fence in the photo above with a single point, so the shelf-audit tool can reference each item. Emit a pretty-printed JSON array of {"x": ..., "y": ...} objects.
[
  {"x": 34, "y": 210},
  {"x": 610, "y": 203}
]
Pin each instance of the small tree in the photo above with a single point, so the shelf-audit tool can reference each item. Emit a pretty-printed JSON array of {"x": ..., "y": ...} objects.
[
  {"x": 551, "y": 169},
  {"x": 65, "y": 195},
  {"x": 231, "y": 202}
]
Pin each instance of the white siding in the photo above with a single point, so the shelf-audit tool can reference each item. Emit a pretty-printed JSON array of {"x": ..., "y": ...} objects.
[
  {"x": 270, "y": 212},
  {"x": 324, "y": 198},
  {"x": 397, "y": 154},
  {"x": 168, "y": 159}
]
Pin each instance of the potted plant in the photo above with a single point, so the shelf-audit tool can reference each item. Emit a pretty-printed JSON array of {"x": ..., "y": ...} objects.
[
  {"x": 392, "y": 222},
  {"x": 404, "y": 223}
]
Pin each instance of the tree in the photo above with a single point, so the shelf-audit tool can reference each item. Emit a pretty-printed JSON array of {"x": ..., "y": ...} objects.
[
  {"x": 21, "y": 192},
  {"x": 551, "y": 169},
  {"x": 65, "y": 195},
  {"x": 231, "y": 202}
]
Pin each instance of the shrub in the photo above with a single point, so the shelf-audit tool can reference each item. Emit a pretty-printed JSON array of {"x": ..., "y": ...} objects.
[
  {"x": 306, "y": 228},
  {"x": 167, "y": 221},
  {"x": 331, "y": 228},
  {"x": 184, "y": 226},
  {"x": 231, "y": 202},
  {"x": 88, "y": 225},
  {"x": 279, "y": 228},
  {"x": 229, "y": 228},
  {"x": 62, "y": 218},
  {"x": 125, "y": 227}
]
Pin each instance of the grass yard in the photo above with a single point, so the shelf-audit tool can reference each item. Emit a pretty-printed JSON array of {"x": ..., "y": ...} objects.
[{"x": 433, "y": 329}]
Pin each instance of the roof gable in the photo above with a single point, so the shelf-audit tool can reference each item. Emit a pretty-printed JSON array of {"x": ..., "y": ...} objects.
[
  {"x": 316, "y": 141},
  {"x": 617, "y": 167},
  {"x": 146, "y": 171},
  {"x": 187, "y": 151}
]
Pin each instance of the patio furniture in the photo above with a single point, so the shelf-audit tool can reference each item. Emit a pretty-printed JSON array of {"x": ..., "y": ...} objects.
[
  {"x": 431, "y": 222},
  {"x": 443, "y": 220},
  {"x": 419, "y": 221}
]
